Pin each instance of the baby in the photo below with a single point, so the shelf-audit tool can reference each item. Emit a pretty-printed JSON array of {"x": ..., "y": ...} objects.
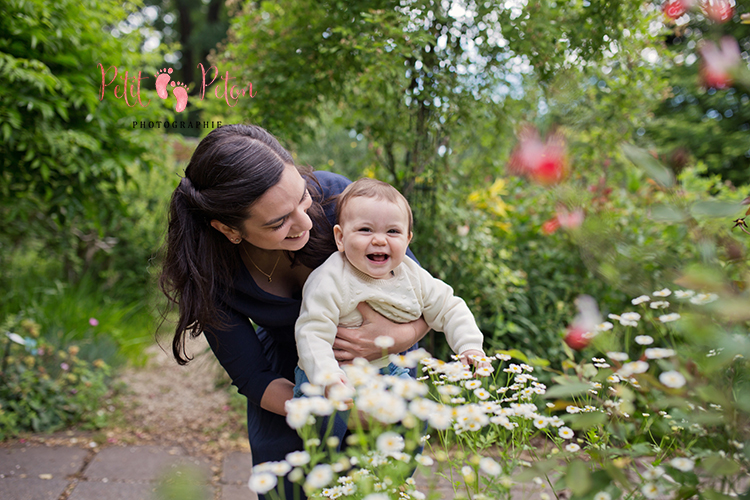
[{"x": 373, "y": 231}]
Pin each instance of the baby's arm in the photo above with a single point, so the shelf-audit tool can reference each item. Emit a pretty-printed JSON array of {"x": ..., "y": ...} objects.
[
  {"x": 316, "y": 326},
  {"x": 448, "y": 313}
]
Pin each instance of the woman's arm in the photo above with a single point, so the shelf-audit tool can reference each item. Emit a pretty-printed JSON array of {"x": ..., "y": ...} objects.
[
  {"x": 359, "y": 342},
  {"x": 277, "y": 393}
]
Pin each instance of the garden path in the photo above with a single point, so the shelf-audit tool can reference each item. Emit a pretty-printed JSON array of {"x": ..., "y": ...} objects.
[{"x": 172, "y": 416}]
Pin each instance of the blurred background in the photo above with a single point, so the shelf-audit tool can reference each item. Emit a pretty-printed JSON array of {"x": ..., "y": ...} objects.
[{"x": 502, "y": 121}]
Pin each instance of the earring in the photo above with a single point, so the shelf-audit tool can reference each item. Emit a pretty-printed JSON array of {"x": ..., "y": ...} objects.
[{"x": 236, "y": 240}]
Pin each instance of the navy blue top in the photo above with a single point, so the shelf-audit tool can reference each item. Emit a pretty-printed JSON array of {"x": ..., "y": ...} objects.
[{"x": 255, "y": 357}]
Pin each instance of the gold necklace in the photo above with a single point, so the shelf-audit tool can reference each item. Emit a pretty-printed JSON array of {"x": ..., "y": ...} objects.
[{"x": 267, "y": 275}]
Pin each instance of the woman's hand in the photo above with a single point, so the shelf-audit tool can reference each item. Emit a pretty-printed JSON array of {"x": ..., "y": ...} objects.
[{"x": 359, "y": 342}]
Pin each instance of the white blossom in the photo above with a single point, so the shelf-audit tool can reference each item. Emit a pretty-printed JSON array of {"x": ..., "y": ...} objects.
[
  {"x": 262, "y": 482},
  {"x": 666, "y": 318},
  {"x": 672, "y": 379},
  {"x": 682, "y": 463},
  {"x": 640, "y": 300}
]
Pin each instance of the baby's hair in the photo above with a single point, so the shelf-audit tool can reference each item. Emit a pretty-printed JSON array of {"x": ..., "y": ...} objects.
[{"x": 372, "y": 188}]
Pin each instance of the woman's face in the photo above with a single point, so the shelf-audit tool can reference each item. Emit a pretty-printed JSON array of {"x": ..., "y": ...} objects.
[{"x": 278, "y": 219}]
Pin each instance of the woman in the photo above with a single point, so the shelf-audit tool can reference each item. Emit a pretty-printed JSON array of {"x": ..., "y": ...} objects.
[{"x": 246, "y": 228}]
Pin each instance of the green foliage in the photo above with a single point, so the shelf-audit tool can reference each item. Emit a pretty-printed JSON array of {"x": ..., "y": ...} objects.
[
  {"x": 44, "y": 388},
  {"x": 691, "y": 121},
  {"x": 67, "y": 151}
]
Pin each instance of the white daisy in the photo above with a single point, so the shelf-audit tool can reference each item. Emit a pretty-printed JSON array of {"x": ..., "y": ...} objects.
[
  {"x": 618, "y": 356},
  {"x": 658, "y": 353},
  {"x": 262, "y": 482},
  {"x": 566, "y": 433},
  {"x": 684, "y": 294},
  {"x": 640, "y": 300},
  {"x": 666, "y": 318},
  {"x": 389, "y": 442},
  {"x": 320, "y": 476},
  {"x": 602, "y": 495},
  {"x": 672, "y": 379},
  {"x": 659, "y": 304},
  {"x": 298, "y": 458},
  {"x": 384, "y": 342},
  {"x": 489, "y": 466},
  {"x": 644, "y": 340},
  {"x": 572, "y": 447},
  {"x": 682, "y": 463},
  {"x": 703, "y": 298}
]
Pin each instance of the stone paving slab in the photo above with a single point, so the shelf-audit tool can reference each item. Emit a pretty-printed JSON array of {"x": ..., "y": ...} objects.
[
  {"x": 31, "y": 488},
  {"x": 237, "y": 492},
  {"x": 59, "y": 462},
  {"x": 113, "y": 491},
  {"x": 236, "y": 467},
  {"x": 140, "y": 463}
]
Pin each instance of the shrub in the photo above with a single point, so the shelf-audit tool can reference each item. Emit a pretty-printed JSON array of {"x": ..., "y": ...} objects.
[{"x": 45, "y": 389}]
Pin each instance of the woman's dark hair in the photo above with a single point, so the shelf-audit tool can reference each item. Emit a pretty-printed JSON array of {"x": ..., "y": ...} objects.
[{"x": 231, "y": 168}]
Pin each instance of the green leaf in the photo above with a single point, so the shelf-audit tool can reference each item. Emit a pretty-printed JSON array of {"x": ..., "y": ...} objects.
[
  {"x": 649, "y": 164},
  {"x": 716, "y": 465},
  {"x": 582, "y": 421},
  {"x": 578, "y": 478},
  {"x": 715, "y": 495},
  {"x": 715, "y": 209},
  {"x": 515, "y": 353},
  {"x": 667, "y": 213},
  {"x": 562, "y": 391}
]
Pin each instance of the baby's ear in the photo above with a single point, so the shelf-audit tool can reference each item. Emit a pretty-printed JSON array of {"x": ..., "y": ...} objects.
[
  {"x": 410, "y": 237},
  {"x": 338, "y": 236}
]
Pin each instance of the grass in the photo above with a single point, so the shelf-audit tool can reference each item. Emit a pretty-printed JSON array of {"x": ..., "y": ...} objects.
[{"x": 85, "y": 313}]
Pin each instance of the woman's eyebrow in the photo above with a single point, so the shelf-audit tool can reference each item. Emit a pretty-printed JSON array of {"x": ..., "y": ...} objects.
[{"x": 279, "y": 219}]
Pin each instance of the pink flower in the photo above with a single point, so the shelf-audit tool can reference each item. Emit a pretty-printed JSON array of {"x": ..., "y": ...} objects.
[
  {"x": 570, "y": 220},
  {"x": 718, "y": 63},
  {"x": 674, "y": 9},
  {"x": 551, "y": 226},
  {"x": 719, "y": 11},
  {"x": 65, "y": 366},
  {"x": 543, "y": 162},
  {"x": 93, "y": 322}
]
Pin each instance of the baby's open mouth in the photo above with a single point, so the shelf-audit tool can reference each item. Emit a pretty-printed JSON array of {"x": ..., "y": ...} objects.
[{"x": 378, "y": 257}]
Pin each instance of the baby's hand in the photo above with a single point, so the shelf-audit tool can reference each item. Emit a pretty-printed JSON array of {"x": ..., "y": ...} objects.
[
  {"x": 474, "y": 357},
  {"x": 340, "y": 392}
]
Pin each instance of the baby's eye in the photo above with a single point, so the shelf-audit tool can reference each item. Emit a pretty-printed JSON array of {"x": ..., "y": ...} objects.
[
  {"x": 394, "y": 231},
  {"x": 364, "y": 229}
]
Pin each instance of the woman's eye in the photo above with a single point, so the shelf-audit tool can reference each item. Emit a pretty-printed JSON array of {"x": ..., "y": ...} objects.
[{"x": 275, "y": 228}]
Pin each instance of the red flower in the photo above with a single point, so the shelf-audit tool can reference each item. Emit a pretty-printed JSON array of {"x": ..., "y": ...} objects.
[
  {"x": 583, "y": 328},
  {"x": 543, "y": 162},
  {"x": 676, "y": 8},
  {"x": 551, "y": 226},
  {"x": 577, "y": 338},
  {"x": 718, "y": 63},
  {"x": 719, "y": 11}
]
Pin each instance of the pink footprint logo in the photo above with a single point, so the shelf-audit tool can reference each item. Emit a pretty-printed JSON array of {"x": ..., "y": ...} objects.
[
  {"x": 162, "y": 79},
  {"x": 180, "y": 93}
]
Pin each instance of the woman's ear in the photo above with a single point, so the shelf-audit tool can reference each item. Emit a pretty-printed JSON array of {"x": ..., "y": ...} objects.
[
  {"x": 338, "y": 235},
  {"x": 232, "y": 234}
]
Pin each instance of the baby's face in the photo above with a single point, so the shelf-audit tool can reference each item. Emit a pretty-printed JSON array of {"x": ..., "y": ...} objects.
[{"x": 373, "y": 234}]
